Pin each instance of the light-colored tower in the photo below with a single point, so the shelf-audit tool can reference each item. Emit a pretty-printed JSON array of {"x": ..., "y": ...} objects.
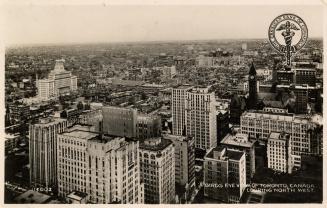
[
  {"x": 114, "y": 171},
  {"x": 200, "y": 114},
  {"x": 178, "y": 109}
]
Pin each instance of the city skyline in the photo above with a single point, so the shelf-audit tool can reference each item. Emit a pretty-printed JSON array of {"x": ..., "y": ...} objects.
[{"x": 68, "y": 23}]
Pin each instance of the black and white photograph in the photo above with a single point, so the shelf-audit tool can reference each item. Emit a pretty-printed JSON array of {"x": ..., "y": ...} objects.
[{"x": 163, "y": 103}]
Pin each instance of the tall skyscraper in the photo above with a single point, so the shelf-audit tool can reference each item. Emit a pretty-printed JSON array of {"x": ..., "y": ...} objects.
[
  {"x": 253, "y": 94},
  {"x": 200, "y": 116},
  {"x": 157, "y": 156},
  {"x": 119, "y": 121},
  {"x": 184, "y": 159},
  {"x": 223, "y": 166},
  {"x": 179, "y": 95},
  {"x": 43, "y": 152},
  {"x": 72, "y": 160},
  {"x": 114, "y": 171},
  {"x": 105, "y": 168}
]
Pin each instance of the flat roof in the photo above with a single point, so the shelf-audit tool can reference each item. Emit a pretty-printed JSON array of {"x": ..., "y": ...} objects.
[
  {"x": 77, "y": 195},
  {"x": 183, "y": 87},
  {"x": 231, "y": 154},
  {"x": 237, "y": 140},
  {"x": 275, "y": 116},
  {"x": 154, "y": 145},
  {"x": 274, "y": 135},
  {"x": 81, "y": 134},
  {"x": 32, "y": 197}
]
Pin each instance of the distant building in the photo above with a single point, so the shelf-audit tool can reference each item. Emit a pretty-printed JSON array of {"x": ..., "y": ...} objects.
[
  {"x": 157, "y": 156},
  {"x": 119, "y": 121},
  {"x": 59, "y": 82},
  {"x": 244, "y": 46},
  {"x": 43, "y": 152},
  {"x": 46, "y": 89},
  {"x": 253, "y": 91},
  {"x": 242, "y": 142},
  {"x": 184, "y": 159},
  {"x": 223, "y": 166},
  {"x": 305, "y": 76},
  {"x": 285, "y": 77},
  {"x": 204, "y": 61},
  {"x": 148, "y": 126}
]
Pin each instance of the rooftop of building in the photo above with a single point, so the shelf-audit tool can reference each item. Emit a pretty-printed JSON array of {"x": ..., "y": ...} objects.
[
  {"x": 80, "y": 133},
  {"x": 177, "y": 137},
  {"x": 278, "y": 135},
  {"x": 222, "y": 153},
  {"x": 50, "y": 121},
  {"x": 155, "y": 144},
  {"x": 77, "y": 195},
  {"x": 305, "y": 69},
  {"x": 275, "y": 116},
  {"x": 183, "y": 87},
  {"x": 296, "y": 86},
  {"x": 238, "y": 139},
  {"x": 32, "y": 197}
]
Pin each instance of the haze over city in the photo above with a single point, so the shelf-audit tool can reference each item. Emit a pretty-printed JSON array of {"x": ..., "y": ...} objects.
[{"x": 89, "y": 24}]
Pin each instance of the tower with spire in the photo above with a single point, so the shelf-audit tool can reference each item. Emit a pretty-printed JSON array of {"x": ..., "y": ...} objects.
[{"x": 253, "y": 94}]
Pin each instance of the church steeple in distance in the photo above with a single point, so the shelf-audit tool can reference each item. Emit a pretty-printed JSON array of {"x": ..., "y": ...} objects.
[{"x": 253, "y": 95}]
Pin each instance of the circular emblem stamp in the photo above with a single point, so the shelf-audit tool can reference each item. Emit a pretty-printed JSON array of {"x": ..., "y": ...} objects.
[{"x": 288, "y": 33}]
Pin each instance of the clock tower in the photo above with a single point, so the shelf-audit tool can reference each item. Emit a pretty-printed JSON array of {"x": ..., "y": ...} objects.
[{"x": 253, "y": 95}]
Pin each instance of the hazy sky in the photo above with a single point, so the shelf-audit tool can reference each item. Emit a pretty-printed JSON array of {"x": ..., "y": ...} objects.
[{"x": 76, "y": 23}]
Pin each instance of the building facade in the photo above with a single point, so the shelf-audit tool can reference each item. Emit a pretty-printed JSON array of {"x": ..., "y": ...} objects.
[
  {"x": 157, "y": 157},
  {"x": 242, "y": 142},
  {"x": 72, "y": 160},
  {"x": 59, "y": 82},
  {"x": 184, "y": 159},
  {"x": 200, "y": 116},
  {"x": 119, "y": 121},
  {"x": 178, "y": 101},
  {"x": 259, "y": 124},
  {"x": 279, "y": 153},
  {"x": 148, "y": 126},
  {"x": 43, "y": 152},
  {"x": 223, "y": 166},
  {"x": 105, "y": 168}
]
